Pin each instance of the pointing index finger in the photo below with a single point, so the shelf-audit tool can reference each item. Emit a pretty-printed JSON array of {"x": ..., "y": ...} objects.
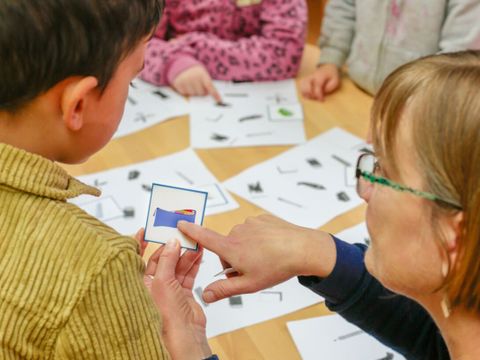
[{"x": 209, "y": 239}]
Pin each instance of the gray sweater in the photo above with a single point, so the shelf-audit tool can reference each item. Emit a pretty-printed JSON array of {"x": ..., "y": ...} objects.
[{"x": 374, "y": 37}]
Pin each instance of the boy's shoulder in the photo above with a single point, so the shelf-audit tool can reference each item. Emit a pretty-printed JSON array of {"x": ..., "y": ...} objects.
[{"x": 59, "y": 252}]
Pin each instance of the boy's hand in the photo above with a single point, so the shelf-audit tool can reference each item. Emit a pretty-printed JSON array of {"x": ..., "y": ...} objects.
[
  {"x": 170, "y": 278},
  {"x": 195, "y": 81},
  {"x": 324, "y": 81},
  {"x": 140, "y": 237}
]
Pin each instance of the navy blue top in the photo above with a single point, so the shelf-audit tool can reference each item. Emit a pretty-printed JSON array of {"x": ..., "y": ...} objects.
[{"x": 394, "y": 320}]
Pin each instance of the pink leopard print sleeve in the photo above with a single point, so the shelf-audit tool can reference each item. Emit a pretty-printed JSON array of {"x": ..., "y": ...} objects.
[{"x": 252, "y": 43}]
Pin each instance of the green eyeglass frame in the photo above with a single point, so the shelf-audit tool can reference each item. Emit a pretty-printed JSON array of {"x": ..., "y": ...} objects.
[{"x": 370, "y": 177}]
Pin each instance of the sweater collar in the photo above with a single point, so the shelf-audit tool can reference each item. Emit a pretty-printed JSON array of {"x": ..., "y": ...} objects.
[{"x": 37, "y": 175}]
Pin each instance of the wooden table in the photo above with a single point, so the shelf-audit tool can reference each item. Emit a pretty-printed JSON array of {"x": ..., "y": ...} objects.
[{"x": 348, "y": 108}]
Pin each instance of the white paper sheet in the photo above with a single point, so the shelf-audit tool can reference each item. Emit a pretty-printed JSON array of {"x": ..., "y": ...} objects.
[
  {"x": 244, "y": 310},
  {"x": 252, "y": 114},
  {"x": 126, "y": 190},
  {"x": 307, "y": 185},
  {"x": 331, "y": 337},
  {"x": 148, "y": 105}
]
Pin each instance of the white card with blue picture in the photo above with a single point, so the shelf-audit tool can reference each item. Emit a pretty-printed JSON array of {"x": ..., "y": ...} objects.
[{"x": 169, "y": 205}]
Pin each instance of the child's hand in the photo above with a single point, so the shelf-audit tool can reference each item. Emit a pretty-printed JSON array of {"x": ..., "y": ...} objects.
[
  {"x": 140, "y": 237},
  {"x": 195, "y": 81},
  {"x": 325, "y": 80},
  {"x": 170, "y": 278}
]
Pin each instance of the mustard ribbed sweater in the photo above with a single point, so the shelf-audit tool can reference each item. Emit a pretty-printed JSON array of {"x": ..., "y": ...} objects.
[{"x": 70, "y": 286}]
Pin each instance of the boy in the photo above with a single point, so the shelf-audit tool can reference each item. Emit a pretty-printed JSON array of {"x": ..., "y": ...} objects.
[{"x": 71, "y": 287}]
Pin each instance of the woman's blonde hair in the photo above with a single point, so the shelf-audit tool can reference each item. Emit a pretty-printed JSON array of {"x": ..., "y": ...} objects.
[{"x": 443, "y": 97}]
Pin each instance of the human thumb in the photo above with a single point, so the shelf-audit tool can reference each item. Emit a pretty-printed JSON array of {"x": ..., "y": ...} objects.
[
  {"x": 222, "y": 289},
  {"x": 168, "y": 260}
]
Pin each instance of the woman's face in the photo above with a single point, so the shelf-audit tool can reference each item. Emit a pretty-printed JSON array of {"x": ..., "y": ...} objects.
[{"x": 404, "y": 254}]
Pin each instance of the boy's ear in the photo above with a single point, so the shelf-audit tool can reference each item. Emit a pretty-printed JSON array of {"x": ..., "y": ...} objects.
[{"x": 74, "y": 99}]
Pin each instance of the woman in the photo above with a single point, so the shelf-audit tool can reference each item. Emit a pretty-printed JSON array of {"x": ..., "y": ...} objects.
[{"x": 422, "y": 187}]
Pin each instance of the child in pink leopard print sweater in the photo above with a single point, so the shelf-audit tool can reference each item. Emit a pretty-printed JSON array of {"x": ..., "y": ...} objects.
[{"x": 240, "y": 40}]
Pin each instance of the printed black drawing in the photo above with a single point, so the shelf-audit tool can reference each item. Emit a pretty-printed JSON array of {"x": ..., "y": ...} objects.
[
  {"x": 277, "y": 293},
  {"x": 184, "y": 177},
  {"x": 141, "y": 117},
  {"x": 132, "y": 101},
  {"x": 161, "y": 94},
  {"x": 342, "y": 196},
  {"x": 314, "y": 162},
  {"x": 250, "y": 117},
  {"x": 349, "y": 335},
  {"x": 219, "y": 137},
  {"x": 133, "y": 174},
  {"x": 215, "y": 119},
  {"x": 388, "y": 356},
  {"x": 255, "y": 188},
  {"x": 147, "y": 187},
  {"x": 235, "y": 301},
  {"x": 266, "y": 133},
  {"x": 129, "y": 212},
  {"x": 222, "y": 104},
  {"x": 235, "y": 95},
  {"x": 289, "y": 202},
  {"x": 286, "y": 171},
  {"x": 198, "y": 290},
  {"x": 311, "y": 185},
  {"x": 341, "y": 161},
  {"x": 278, "y": 98},
  {"x": 98, "y": 183}
]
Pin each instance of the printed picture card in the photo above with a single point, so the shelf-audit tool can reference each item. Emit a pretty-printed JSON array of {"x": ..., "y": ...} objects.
[{"x": 169, "y": 205}]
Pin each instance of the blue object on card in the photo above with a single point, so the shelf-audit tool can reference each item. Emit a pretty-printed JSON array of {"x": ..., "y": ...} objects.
[{"x": 171, "y": 218}]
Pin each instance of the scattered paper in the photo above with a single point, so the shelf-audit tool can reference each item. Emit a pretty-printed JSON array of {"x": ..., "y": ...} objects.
[
  {"x": 307, "y": 185},
  {"x": 126, "y": 191},
  {"x": 332, "y": 337},
  {"x": 169, "y": 205},
  {"x": 149, "y": 105},
  {"x": 249, "y": 309},
  {"x": 250, "y": 114}
]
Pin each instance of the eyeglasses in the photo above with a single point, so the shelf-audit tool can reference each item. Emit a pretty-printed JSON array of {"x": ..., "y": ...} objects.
[{"x": 367, "y": 167}]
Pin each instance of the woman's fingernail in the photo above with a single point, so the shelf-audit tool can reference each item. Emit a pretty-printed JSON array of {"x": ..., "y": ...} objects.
[
  {"x": 208, "y": 296},
  {"x": 181, "y": 223}
]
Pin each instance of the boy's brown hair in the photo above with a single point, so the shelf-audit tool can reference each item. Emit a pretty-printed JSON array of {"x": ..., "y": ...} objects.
[{"x": 43, "y": 42}]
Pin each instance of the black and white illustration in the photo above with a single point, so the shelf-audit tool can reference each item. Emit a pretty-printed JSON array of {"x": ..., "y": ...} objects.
[
  {"x": 126, "y": 191},
  {"x": 332, "y": 337},
  {"x": 148, "y": 105},
  {"x": 307, "y": 185},
  {"x": 265, "y": 113},
  {"x": 247, "y": 309}
]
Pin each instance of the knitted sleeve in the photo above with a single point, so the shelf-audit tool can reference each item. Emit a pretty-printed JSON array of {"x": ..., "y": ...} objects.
[
  {"x": 272, "y": 54},
  {"x": 461, "y": 28},
  {"x": 115, "y": 318},
  {"x": 338, "y": 30}
]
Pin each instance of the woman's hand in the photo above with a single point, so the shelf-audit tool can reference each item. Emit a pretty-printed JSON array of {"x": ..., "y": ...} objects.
[
  {"x": 170, "y": 278},
  {"x": 264, "y": 251}
]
